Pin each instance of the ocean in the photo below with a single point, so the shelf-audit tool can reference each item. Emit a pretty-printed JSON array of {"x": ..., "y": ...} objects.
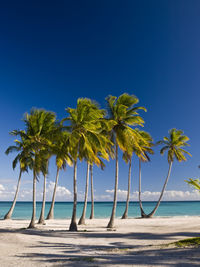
[{"x": 23, "y": 210}]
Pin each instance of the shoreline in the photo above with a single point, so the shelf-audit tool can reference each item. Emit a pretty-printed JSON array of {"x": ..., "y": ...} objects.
[{"x": 132, "y": 243}]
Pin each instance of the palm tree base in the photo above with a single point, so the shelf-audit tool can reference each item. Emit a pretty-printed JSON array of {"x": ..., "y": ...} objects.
[
  {"x": 81, "y": 221},
  {"x": 31, "y": 226},
  {"x": 110, "y": 224},
  {"x": 7, "y": 217},
  {"x": 124, "y": 216},
  {"x": 91, "y": 217},
  {"x": 73, "y": 227},
  {"x": 41, "y": 222},
  {"x": 49, "y": 217}
]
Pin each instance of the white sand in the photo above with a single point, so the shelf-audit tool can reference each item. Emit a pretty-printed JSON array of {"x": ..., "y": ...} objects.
[{"x": 136, "y": 242}]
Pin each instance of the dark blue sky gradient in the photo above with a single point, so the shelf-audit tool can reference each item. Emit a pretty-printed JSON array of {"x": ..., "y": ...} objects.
[{"x": 52, "y": 52}]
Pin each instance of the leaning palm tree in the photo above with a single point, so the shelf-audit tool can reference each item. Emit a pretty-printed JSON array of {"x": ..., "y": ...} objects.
[
  {"x": 24, "y": 160},
  {"x": 61, "y": 150},
  {"x": 174, "y": 144},
  {"x": 122, "y": 111}
]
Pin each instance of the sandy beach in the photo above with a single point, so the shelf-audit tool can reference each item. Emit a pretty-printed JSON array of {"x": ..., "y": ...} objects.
[{"x": 134, "y": 242}]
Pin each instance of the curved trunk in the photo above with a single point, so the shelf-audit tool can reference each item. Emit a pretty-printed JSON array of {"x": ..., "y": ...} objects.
[
  {"x": 73, "y": 225},
  {"x": 111, "y": 222},
  {"x": 32, "y": 223},
  {"x": 125, "y": 215},
  {"x": 41, "y": 219},
  {"x": 82, "y": 219},
  {"x": 163, "y": 189},
  {"x": 92, "y": 193},
  {"x": 51, "y": 210},
  {"x": 143, "y": 215},
  {"x": 10, "y": 212}
]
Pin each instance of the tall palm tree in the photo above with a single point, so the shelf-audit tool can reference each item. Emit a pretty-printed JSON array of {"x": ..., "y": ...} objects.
[
  {"x": 61, "y": 150},
  {"x": 40, "y": 128},
  {"x": 122, "y": 111},
  {"x": 174, "y": 144},
  {"x": 100, "y": 144},
  {"x": 24, "y": 160},
  {"x": 83, "y": 126}
]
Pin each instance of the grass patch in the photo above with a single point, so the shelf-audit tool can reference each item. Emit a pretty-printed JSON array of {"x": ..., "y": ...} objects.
[{"x": 190, "y": 242}]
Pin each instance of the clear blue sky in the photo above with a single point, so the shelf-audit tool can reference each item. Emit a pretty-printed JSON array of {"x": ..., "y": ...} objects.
[{"x": 53, "y": 52}]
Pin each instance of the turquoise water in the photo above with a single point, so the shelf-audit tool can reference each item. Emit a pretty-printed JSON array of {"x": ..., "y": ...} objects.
[{"x": 23, "y": 210}]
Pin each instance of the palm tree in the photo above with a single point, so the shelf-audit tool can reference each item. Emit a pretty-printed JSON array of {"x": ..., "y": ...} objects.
[
  {"x": 92, "y": 186},
  {"x": 174, "y": 144},
  {"x": 144, "y": 147},
  {"x": 44, "y": 170},
  {"x": 24, "y": 161},
  {"x": 61, "y": 150},
  {"x": 83, "y": 128},
  {"x": 40, "y": 128},
  {"x": 127, "y": 159},
  {"x": 92, "y": 193},
  {"x": 146, "y": 144},
  {"x": 123, "y": 113},
  {"x": 100, "y": 144}
]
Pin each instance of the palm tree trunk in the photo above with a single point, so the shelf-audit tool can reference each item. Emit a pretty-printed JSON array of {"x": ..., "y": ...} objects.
[
  {"x": 125, "y": 215},
  {"x": 82, "y": 219},
  {"x": 92, "y": 193},
  {"x": 10, "y": 212},
  {"x": 111, "y": 222},
  {"x": 143, "y": 215},
  {"x": 73, "y": 225},
  {"x": 163, "y": 189},
  {"x": 41, "y": 219},
  {"x": 51, "y": 210},
  {"x": 32, "y": 223}
]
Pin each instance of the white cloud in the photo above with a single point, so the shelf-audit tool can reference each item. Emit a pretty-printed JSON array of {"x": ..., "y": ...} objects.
[{"x": 153, "y": 196}]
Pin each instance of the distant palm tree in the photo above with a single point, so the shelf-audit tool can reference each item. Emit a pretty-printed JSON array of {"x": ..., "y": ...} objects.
[
  {"x": 122, "y": 111},
  {"x": 174, "y": 144},
  {"x": 61, "y": 150},
  {"x": 24, "y": 161}
]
